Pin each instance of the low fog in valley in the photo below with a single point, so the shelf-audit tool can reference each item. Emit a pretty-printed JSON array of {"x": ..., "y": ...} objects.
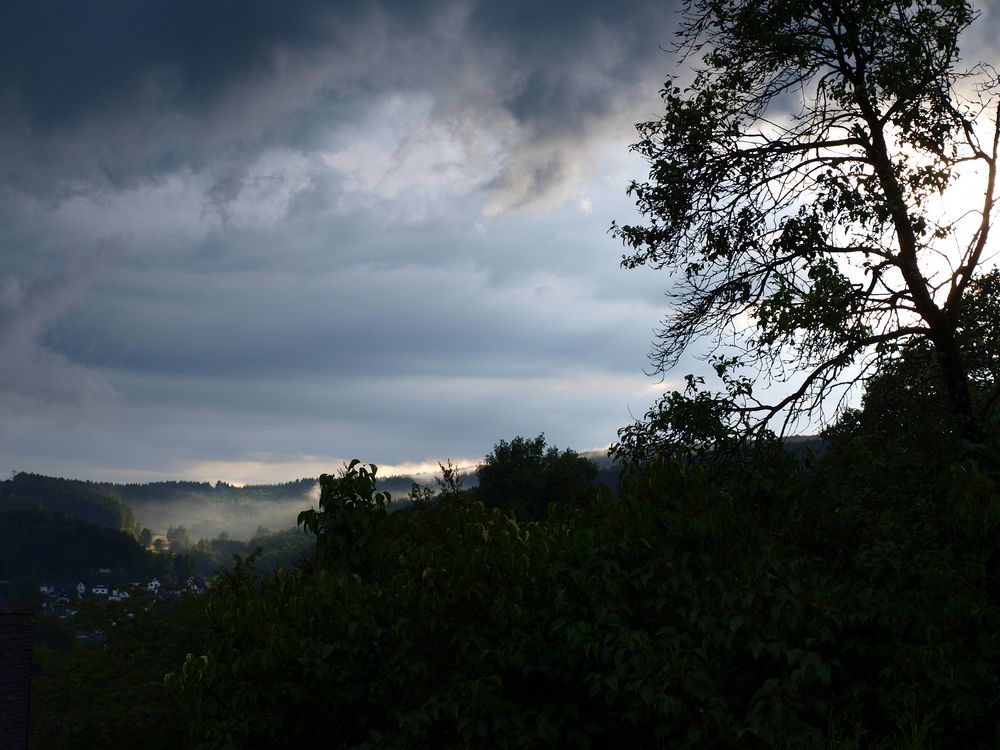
[
  {"x": 206, "y": 517},
  {"x": 241, "y": 512}
]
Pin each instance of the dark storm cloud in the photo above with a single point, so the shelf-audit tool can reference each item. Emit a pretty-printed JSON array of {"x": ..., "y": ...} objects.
[
  {"x": 112, "y": 93},
  {"x": 576, "y": 53},
  {"x": 314, "y": 243},
  {"x": 63, "y": 60}
]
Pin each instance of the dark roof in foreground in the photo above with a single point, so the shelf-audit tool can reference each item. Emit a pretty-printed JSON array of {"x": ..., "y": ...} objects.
[{"x": 15, "y": 679}]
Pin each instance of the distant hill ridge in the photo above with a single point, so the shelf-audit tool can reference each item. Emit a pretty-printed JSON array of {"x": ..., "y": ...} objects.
[
  {"x": 111, "y": 504},
  {"x": 71, "y": 497},
  {"x": 165, "y": 491}
]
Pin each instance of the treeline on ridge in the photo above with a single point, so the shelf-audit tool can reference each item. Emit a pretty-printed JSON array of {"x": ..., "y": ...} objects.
[
  {"x": 81, "y": 500},
  {"x": 108, "y": 503}
]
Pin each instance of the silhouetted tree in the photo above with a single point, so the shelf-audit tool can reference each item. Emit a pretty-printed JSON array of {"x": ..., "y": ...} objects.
[
  {"x": 905, "y": 406},
  {"x": 800, "y": 194},
  {"x": 450, "y": 482},
  {"x": 525, "y": 476}
]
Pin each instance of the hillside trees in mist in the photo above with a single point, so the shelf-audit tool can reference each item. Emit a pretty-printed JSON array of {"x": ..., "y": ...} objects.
[
  {"x": 272, "y": 550},
  {"x": 802, "y": 195},
  {"x": 179, "y": 538},
  {"x": 44, "y": 546}
]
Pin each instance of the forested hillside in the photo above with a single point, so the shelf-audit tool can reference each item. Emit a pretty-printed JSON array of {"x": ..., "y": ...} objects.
[
  {"x": 55, "y": 547},
  {"x": 219, "y": 492},
  {"x": 74, "y": 498},
  {"x": 108, "y": 503}
]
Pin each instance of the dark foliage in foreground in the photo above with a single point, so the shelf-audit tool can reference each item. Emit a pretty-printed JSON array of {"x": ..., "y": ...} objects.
[
  {"x": 110, "y": 694},
  {"x": 759, "y": 605}
]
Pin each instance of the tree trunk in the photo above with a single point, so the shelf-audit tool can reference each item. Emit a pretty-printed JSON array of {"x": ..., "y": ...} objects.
[{"x": 956, "y": 379}]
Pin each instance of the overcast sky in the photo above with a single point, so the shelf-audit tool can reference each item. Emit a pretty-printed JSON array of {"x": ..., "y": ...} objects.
[{"x": 249, "y": 240}]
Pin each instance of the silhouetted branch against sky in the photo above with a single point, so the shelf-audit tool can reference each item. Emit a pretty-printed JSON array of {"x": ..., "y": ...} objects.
[{"x": 821, "y": 193}]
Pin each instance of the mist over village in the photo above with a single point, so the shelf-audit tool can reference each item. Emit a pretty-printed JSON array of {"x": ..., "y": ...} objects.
[{"x": 457, "y": 373}]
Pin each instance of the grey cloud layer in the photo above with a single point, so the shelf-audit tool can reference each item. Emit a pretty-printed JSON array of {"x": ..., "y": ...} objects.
[
  {"x": 245, "y": 232},
  {"x": 113, "y": 93},
  {"x": 29, "y": 372}
]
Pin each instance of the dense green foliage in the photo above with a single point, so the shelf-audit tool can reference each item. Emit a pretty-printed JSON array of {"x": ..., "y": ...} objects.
[
  {"x": 88, "y": 696},
  {"x": 759, "y": 605},
  {"x": 524, "y": 475}
]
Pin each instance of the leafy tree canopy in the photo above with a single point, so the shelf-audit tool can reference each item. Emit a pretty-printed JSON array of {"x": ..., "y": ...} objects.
[
  {"x": 905, "y": 407},
  {"x": 525, "y": 476},
  {"x": 800, "y": 190}
]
